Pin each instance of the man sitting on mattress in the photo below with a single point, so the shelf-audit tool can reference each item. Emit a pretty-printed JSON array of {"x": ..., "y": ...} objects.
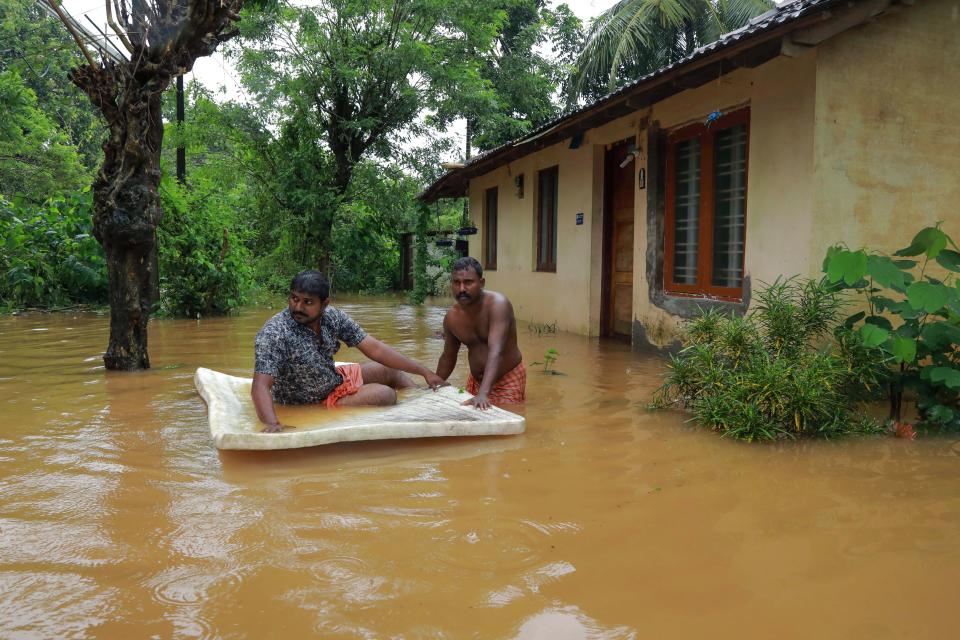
[
  {"x": 294, "y": 357},
  {"x": 482, "y": 320}
]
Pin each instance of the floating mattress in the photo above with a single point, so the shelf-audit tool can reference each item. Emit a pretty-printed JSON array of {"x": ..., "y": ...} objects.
[{"x": 418, "y": 414}]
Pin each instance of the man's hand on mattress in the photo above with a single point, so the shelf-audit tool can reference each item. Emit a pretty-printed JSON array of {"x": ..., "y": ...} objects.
[
  {"x": 479, "y": 401},
  {"x": 276, "y": 428},
  {"x": 434, "y": 381}
]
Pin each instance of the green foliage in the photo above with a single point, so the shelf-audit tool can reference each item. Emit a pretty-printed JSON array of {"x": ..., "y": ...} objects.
[
  {"x": 204, "y": 264},
  {"x": 338, "y": 103},
  {"x": 37, "y": 49},
  {"x": 354, "y": 89},
  {"x": 37, "y": 160},
  {"x": 636, "y": 37},
  {"x": 366, "y": 252},
  {"x": 775, "y": 373},
  {"x": 549, "y": 357},
  {"x": 912, "y": 315},
  {"x": 366, "y": 249},
  {"x": 516, "y": 84},
  {"x": 421, "y": 283},
  {"x": 48, "y": 257}
]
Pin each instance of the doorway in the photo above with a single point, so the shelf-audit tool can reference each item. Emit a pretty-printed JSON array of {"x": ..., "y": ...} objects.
[{"x": 618, "y": 219}]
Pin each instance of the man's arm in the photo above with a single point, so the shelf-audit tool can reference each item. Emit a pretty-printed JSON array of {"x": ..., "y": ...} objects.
[
  {"x": 379, "y": 352},
  {"x": 496, "y": 341},
  {"x": 263, "y": 401},
  {"x": 451, "y": 347}
]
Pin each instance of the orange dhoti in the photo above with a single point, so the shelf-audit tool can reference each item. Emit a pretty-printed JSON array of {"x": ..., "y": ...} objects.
[
  {"x": 509, "y": 389},
  {"x": 352, "y": 376}
]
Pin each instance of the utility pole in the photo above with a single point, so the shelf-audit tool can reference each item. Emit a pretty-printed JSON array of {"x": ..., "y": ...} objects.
[
  {"x": 181, "y": 151},
  {"x": 466, "y": 153}
]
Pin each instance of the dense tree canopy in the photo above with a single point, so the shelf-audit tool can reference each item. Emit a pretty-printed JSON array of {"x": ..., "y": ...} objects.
[{"x": 520, "y": 73}]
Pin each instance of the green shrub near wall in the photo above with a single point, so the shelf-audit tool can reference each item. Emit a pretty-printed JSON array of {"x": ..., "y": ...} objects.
[{"x": 776, "y": 373}]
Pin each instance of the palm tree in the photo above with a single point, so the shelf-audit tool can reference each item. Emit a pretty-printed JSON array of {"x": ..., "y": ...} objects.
[{"x": 636, "y": 37}]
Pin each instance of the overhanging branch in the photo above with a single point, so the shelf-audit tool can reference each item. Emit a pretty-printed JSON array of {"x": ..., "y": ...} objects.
[{"x": 55, "y": 7}]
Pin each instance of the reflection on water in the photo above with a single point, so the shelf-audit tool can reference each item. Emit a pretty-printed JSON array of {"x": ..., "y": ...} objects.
[{"x": 119, "y": 519}]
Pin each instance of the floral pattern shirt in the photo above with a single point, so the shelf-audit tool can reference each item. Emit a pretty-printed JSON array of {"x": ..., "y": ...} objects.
[{"x": 301, "y": 361}]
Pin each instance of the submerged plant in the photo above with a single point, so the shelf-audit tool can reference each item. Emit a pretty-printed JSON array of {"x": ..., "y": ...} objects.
[
  {"x": 776, "y": 372},
  {"x": 542, "y": 328},
  {"x": 549, "y": 357}
]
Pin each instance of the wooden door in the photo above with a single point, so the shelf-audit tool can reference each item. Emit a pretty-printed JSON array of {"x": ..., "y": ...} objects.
[{"x": 618, "y": 240}]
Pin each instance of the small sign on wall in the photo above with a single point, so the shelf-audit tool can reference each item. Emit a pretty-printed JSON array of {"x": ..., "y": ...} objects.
[{"x": 580, "y": 218}]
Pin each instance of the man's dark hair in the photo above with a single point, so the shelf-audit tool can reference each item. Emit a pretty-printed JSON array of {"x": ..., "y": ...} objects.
[
  {"x": 313, "y": 282},
  {"x": 467, "y": 262}
]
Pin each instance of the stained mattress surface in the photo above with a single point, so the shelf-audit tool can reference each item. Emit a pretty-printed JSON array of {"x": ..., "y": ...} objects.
[{"x": 418, "y": 414}]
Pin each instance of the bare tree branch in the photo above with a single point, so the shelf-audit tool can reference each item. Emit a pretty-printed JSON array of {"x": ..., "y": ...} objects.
[
  {"x": 55, "y": 6},
  {"x": 116, "y": 27}
]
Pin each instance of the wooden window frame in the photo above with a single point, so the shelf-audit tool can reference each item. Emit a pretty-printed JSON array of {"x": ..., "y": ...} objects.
[
  {"x": 706, "y": 212},
  {"x": 490, "y": 243},
  {"x": 543, "y": 264}
]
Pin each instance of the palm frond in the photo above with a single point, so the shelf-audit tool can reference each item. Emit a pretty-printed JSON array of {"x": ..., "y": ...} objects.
[{"x": 634, "y": 37}]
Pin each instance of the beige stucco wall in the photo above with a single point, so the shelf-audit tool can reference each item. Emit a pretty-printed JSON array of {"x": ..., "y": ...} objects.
[
  {"x": 569, "y": 297},
  {"x": 779, "y": 178},
  {"x": 887, "y": 150},
  {"x": 559, "y": 297},
  {"x": 856, "y": 140}
]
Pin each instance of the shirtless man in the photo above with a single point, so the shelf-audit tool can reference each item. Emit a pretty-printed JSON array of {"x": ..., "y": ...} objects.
[{"x": 482, "y": 320}]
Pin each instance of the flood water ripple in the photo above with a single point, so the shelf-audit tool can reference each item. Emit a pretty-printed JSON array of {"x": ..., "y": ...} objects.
[{"x": 119, "y": 519}]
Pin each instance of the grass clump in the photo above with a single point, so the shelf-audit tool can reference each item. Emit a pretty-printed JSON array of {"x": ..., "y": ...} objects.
[{"x": 788, "y": 369}]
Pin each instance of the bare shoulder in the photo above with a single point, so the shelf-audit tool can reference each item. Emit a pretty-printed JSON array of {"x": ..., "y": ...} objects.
[
  {"x": 452, "y": 315},
  {"x": 498, "y": 302}
]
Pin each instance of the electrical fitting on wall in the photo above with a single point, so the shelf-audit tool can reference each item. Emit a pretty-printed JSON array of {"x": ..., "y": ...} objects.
[{"x": 632, "y": 152}]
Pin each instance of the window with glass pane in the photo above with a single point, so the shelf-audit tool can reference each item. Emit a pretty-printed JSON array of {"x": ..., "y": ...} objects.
[
  {"x": 687, "y": 212},
  {"x": 706, "y": 207},
  {"x": 729, "y": 209},
  {"x": 490, "y": 229},
  {"x": 548, "y": 187}
]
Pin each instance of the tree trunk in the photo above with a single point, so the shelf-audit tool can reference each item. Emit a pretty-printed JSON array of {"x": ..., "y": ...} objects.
[
  {"x": 130, "y": 269},
  {"x": 126, "y": 212},
  {"x": 163, "y": 41}
]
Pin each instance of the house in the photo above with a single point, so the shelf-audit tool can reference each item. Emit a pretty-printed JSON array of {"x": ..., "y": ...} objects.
[{"x": 821, "y": 121}]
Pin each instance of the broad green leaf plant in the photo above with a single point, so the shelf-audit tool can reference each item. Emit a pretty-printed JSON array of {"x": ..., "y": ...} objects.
[{"x": 913, "y": 314}]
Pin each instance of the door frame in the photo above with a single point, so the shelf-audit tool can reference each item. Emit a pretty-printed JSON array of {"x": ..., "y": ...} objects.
[{"x": 606, "y": 274}]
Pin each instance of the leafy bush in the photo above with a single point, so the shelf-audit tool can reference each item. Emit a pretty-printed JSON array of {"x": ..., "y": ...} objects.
[
  {"x": 49, "y": 256},
  {"x": 913, "y": 315},
  {"x": 776, "y": 373},
  {"x": 421, "y": 283},
  {"x": 204, "y": 262},
  {"x": 366, "y": 251}
]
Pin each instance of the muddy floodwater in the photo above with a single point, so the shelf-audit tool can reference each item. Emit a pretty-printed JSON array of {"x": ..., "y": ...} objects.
[{"x": 119, "y": 519}]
